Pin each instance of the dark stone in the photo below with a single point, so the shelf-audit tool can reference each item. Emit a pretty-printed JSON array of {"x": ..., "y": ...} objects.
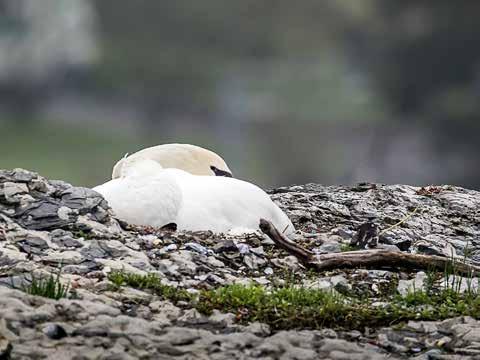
[
  {"x": 225, "y": 246},
  {"x": 429, "y": 250},
  {"x": 36, "y": 242},
  {"x": 43, "y": 215},
  {"x": 402, "y": 244},
  {"x": 55, "y": 332},
  {"x": 82, "y": 199},
  {"x": 169, "y": 227},
  {"x": 100, "y": 249},
  {"x": 60, "y": 185},
  {"x": 5, "y": 349},
  {"x": 94, "y": 250},
  {"x": 30, "y": 249},
  {"x": 65, "y": 239},
  {"x": 366, "y": 236}
]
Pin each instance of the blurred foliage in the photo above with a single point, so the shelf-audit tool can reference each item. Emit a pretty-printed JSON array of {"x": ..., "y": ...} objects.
[
  {"x": 82, "y": 156},
  {"x": 174, "y": 54},
  {"x": 329, "y": 91},
  {"x": 421, "y": 56}
]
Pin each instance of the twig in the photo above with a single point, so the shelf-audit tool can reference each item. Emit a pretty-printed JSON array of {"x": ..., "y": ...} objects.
[
  {"x": 408, "y": 216},
  {"x": 302, "y": 254},
  {"x": 377, "y": 258}
]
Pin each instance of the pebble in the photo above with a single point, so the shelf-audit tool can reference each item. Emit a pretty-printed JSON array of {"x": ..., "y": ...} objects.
[
  {"x": 196, "y": 247},
  {"x": 243, "y": 248},
  {"x": 54, "y": 331},
  {"x": 169, "y": 248}
]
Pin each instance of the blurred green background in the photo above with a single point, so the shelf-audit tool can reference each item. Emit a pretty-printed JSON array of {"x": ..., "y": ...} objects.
[{"x": 332, "y": 91}]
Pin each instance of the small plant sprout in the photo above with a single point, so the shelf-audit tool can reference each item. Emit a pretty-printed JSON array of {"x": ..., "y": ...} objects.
[{"x": 50, "y": 287}]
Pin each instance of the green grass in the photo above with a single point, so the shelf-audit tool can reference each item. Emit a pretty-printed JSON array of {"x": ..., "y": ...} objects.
[
  {"x": 347, "y": 247},
  {"x": 50, "y": 287},
  {"x": 292, "y": 306},
  {"x": 87, "y": 235},
  {"x": 296, "y": 307},
  {"x": 281, "y": 308},
  {"x": 148, "y": 282}
]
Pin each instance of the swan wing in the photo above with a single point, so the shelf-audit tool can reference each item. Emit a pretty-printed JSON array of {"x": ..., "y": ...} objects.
[
  {"x": 150, "y": 201},
  {"x": 222, "y": 204}
]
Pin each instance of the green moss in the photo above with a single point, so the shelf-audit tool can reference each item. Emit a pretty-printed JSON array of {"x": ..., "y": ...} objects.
[
  {"x": 148, "y": 282},
  {"x": 292, "y": 306},
  {"x": 388, "y": 288},
  {"x": 286, "y": 307},
  {"x": 296, "y": 307},
  {"x": 347, "y": 247},
  {"x": 87, "y": 235}
]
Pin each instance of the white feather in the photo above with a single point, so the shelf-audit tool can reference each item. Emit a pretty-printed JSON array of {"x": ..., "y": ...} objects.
[
  {"x": 150, "y": 195},
  {"x": 191, "y": 158}
]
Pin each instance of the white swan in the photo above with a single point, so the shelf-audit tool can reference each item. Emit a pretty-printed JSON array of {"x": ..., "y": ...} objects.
[
  {"x": 193, "y": 159},
  {"x": 147, "y": 194}
]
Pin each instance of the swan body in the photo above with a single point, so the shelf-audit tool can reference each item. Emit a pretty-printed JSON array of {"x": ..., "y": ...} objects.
[
  {"x": 147, "y": 194},
  {"x": 190, "y": 158}
]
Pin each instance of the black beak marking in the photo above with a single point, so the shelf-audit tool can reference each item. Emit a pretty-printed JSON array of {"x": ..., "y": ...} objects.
[
  {"x": 219, "y": 172},
  {"x": 169, "y": 227}
]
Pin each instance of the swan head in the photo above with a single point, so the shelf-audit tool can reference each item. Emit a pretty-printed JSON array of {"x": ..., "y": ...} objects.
[
  {"x": 190, "y": 158},
  {"x": 141, "y": 168}
]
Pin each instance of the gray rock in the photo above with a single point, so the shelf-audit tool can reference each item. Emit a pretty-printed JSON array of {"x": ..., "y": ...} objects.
[
  {"x": 268, "y": 271},
  {"x": 82, "y": 199},
  {"x": 10, "y": 189},
  {"x": 196, "y": 247},
  {"x": 289, "y": 262},
  {"x": 341, "y": 349},
  {"x": 405, "y": 286},
  {"x": 243, "y": 248},
  {"x": 64, "y": 239},
  {"x": 225, "y": 246},
  {"x": 329, "y": 247},
  {"x": 168, "y": 248},
  {"x": 253, "y": 262},
  {"x": 223, "y": 319}
]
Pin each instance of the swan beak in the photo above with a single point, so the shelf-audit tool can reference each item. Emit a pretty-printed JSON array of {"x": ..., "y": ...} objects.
[{"x": 219, "y": 172}]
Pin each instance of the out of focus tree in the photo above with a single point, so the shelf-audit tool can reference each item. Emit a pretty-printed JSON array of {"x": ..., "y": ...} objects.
[
  {"x": 425, "y": 59},
  {"x": 176, "y": 54},
  {"x": 41, "y": 42}
]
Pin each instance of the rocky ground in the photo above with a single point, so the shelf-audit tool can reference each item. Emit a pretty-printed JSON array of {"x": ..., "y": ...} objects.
[{"x": 46, "y": 225}]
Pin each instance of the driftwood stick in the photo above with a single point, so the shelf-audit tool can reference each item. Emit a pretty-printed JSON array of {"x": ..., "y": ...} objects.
[
  {"x": 377, "y": 258},
  {"x": 304, "y": 255}
]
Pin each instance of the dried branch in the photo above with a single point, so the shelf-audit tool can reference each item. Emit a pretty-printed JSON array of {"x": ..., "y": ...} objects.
[
  {"x": 377, "y": 258},
  {"x": 304, "y": 255}
]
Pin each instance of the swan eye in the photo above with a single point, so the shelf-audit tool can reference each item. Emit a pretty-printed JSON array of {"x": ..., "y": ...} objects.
[{"x": 219, "y": 172}]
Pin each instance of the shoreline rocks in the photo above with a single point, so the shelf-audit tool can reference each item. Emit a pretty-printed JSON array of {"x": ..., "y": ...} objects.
[{"x": 45, "y": 225}]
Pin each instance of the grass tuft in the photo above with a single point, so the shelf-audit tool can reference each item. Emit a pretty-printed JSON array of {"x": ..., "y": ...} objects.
[{"x": 50, "y": 287}]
